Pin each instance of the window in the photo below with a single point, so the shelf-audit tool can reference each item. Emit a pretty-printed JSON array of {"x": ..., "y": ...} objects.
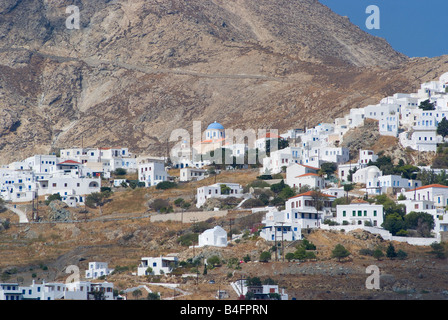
[
  {"x": 359, "y": 213},
  {"x": 374, "y": 213},
  {"x": 344, "y": 213}
]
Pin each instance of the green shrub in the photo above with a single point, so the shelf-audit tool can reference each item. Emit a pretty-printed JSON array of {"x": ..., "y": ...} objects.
[
  {"x": 120, "y": 172},
  {"x": 401, "y": 254},
  {"x": 265, "y": 256},
  {"x": 378, "y": 254},
  {"x": 166, "y": 185},
  {"x": 339, "y": 252},
  {"x": 366, "y": 252},
  {"x": 187, "y": 240},
  {"x": 55, "y": 196}
]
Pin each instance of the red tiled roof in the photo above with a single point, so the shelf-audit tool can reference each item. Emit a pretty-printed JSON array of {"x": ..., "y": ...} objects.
[
  {"x": 310, "y": 193},
  {"x": 308, "y": 174},
  {"x": 304, "y": 165},
  {"x": 69, "y": 162},
  {"x": 271, "y": 135},
  {"x": 359, "y": 201},
  {"x": 430, "y": 186}
]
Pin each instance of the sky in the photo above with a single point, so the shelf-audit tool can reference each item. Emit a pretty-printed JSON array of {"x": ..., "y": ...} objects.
[{"x": 416, "y": 28}]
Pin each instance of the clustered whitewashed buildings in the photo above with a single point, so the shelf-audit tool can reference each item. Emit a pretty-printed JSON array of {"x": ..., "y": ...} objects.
[
  {"x": 78, "y": 290},
  {"x": 77, "y": 172},
  {"x": 73, "y": 175}
]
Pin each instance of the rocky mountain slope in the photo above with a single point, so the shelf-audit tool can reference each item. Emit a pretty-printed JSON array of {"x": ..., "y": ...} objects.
[{"x": 136, "y": 70}]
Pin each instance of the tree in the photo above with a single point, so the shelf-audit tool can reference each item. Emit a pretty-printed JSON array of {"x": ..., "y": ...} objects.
[
  {"x": 214, "y": 261},
  {"x": 289, "y": 256},
  {"x": 225, "y": 189},
  {"x": 438, "y": 250},
  {"x": 55, "y": 196},
  {"x": 178, "y": 202},
  {"x": 300, "y": 253},
  {"x": 265, "y": 256},
  {"x": 277, "y": 187},
  {"x": 350, "y": 174},
  {"x": 308, "y": 245},
  {"x": 394, "y": 223},
  {"x": 164, "y": 185},
  {"x": 378, "y": 254},
  {"x": 318, "y": 199},
  {"x": 339, "y": 252},
  {"x": 97, "y": 199},
  {"x": 153, "y": 296},
  {"x": 401, "y": 254},
  {"x": 420, "y": 221},
  {"x": 328, "y": 168},
  {"x": 408, "y": 171},
  {"x": 253, "y": 281},
  {"x": 160, "y": 205},
  {"x": 390, "y": 252},
  {"x": 120, "y": 172},
  {"x": 347, "y": 188},
  {"x": 137, "y": 293},
  {"x": 442, "y": 128},
  {"x": 427, "y": 105}
]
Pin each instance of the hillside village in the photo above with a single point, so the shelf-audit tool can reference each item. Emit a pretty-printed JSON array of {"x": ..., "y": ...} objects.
[{"x": 306, "y": 182}]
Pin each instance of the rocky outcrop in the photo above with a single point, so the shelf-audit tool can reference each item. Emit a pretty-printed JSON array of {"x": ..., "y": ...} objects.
[{"x": 58, "y": 212}]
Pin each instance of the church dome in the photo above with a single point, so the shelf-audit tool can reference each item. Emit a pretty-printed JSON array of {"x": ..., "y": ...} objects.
[{"x": 215, "y": 126}]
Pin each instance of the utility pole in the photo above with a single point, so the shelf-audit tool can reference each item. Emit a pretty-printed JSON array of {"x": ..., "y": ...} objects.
[
  {"x": 275, "y": 242},
  {"x": 230, "y": 227},
  {"x": 194, "y": 221},
  {"x": 283, "y": 252}
]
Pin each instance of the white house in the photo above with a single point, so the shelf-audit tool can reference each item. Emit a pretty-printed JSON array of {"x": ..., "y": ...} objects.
[
  {"x": 280, "y": 225},
  {"x": 334, "y": 154},
  {"x": 17, "y": 186},
  {"x": 312, "y": 180},
  {"x": 192, "y": 174},
  {"x": 296, "y": 169},
  {"x": 303, "y": 207},
  {"x": 98, "y": 269},
  {"x": 369, "y": 177},
  {"x": 78, "y": 290},
  {"x": 366, "y": 156},
  {"x": 158, "y": 265},
  {"x": 260, "y": 292},
  {"x": 360, "y": 212},
  {"x": 276, "y": 161},
  {"x": 344, "y": 170},
  {"x": 388, "y": 126},
  {"x": 397, "y": 182},
  {"x": 435, "y": 192},
  {"x": 215, "y": 237},
  {"x": 381, "y": 111},
  {"x": 10, "y": 291},
  {"x": 214, "y": 191},
  {"x": 419, "y": 206},
  {"x": 68, "y": 186},
  {"x": 151, "y": 171}
]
